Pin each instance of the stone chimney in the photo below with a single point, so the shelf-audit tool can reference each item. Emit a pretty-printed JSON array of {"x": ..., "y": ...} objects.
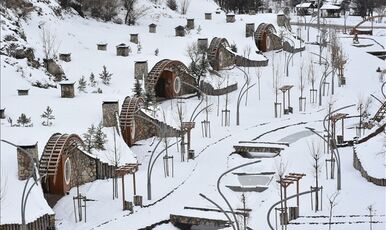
[
  {"x": 110, "y": 109},
  {"x": 249, "y": 29},
  {"x": 24, "y": 166},
  {"x": 190, "y": 23},
  {"x": 202, "y": 44},
  {"x": 140, "y": 70}
]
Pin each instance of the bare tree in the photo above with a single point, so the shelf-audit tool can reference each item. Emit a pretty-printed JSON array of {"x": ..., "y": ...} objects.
[
  {"x": 50, "y": 44},
  {"x": 276, "y": 88},
  {"x": 199, "y": 63},
  {"x": 363, "y": 109},
  {"x": 218, "y": 86},
  {"x": 312, "y": 80},
  {"x": 302, "y": 83},
  {"x": 335, "y": 50},
  {"x": 332, "y": 204},
  {"x": 316, "y": 155},
  {"x": 370, "y": 208},
  {"x": 281, "y": 169},
  {"x": 114, "y": 157},
  {"x": 133, "y": 13},
  {"x": 258, "y": 75},
  {"x": 184, "y": 6},
  {"x": 181, "y": 113}
]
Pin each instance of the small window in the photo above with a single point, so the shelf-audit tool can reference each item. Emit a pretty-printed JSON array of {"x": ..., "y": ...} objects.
[
  {"x": 67, "y": 171},
  {"x": 177, "y": 85}
]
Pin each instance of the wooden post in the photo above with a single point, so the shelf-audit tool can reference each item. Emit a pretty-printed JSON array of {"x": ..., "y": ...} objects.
[
  {"x": 134, "y": 185},
  {"x": 343, "y": 128},
  {"x": 123, "y": 192},
  {"x": 289, "y": 98},
  {"x": 297, "y": 193},
  {"x": 188, "y": 140}
]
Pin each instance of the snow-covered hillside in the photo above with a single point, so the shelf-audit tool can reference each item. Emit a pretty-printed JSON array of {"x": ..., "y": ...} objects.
[{"x": 213, "y": 156}]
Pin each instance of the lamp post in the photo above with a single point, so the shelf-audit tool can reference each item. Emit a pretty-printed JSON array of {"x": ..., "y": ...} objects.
[
  {"x": 243, "y": 91},
  {"x": 222, "y": 195},
  {"x": 336, "y": 153}
]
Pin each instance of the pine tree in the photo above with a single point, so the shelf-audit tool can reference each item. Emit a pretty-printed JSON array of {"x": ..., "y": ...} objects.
[
  {"x": 47, "y": 115},
  {"x": 24, "y": 121},
  {"x": 150, "y": 98},
  {"x": 99, "y": 138},
  {"x": 137, "y": 88},
  {"x": 89, "y": 138},
  {"x": 92, "y": 80},
  {"x": 105, "y": 76},
  {"x": 82, "y": 84}
]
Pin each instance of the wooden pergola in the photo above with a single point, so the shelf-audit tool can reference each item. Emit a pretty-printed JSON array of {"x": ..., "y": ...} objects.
[
  {"x": 131, "y": 168},
  {"x": 284, "y": 89},
  {"x": 334, "y": 119},
  {"x": 186, "y": 128},
  {"x": 284, "y": 183}
]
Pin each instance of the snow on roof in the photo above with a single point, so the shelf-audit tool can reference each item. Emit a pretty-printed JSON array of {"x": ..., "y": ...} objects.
[
  {"x": 328, "y": 6},
  {"x": 304, "y": 5},
  {"x": 125, "y": 155},
  {"x": 12, "y": 189}
]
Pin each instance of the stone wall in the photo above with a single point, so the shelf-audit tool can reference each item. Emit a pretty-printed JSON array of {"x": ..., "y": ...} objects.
[
  {"x": 225, "y": 58},
  {"x": 259, "y": 149},
  {"x": 24, "y": 166},
  {"x": 289, "y": 48},
  {"x": 187, "y": 88},
  {"x": 242, "y": 61},
  {"x": 209, "y": 90},
  {"x": 83, "y": 168},
  {"x": 358, "y": 166},
  {"x": 145, "y": 128}
]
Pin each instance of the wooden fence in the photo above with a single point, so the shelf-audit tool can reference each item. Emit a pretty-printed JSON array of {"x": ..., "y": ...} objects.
[{"x": 46, "y": 222}]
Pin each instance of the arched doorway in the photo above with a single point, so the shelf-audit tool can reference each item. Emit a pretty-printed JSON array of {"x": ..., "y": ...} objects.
[{"x": 165, "y": 85}]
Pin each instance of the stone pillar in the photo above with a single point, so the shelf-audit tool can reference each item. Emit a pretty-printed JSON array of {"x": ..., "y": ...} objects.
[
  {"x": 208, "y": 16},
  {"x": 140, "y": 70},
  {"x": 102, "y": 46},
  {"x": 249, "y": 29},
  {"x": 180, "y": 31},
  {"x": 67, "y": 90},
  {"x": 22, "y": 92},
  {"x": 110, "y": 109},
  {"x": 2, "y": 113},
  {"x": 190, "y": 23},
  {"x": 134, "y": 38},
  {"x": 65, "y": 57},
  {"x": 122, "y": 50},
  {"x": 137, "y": 200},
  {"x": 230, "y": 18},
  {"x": 24, "y": 166},
  {"x": 281, "y": 18},
  {"x": 152, "y": 28},
  {"x": 202, "y": 44}
]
